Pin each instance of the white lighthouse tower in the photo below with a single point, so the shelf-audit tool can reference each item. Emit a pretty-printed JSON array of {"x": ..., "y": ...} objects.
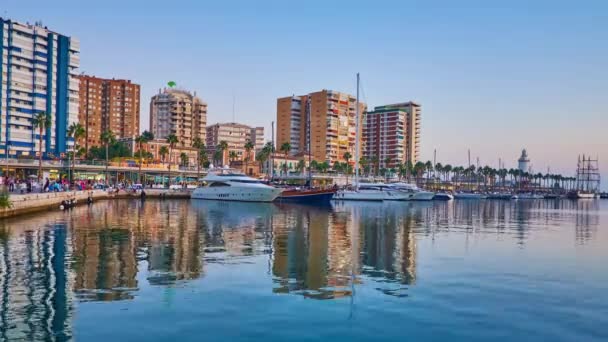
[{"x": 523, "y": 161}]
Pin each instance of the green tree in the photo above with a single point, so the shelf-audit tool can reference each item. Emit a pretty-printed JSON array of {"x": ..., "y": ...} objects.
[
  {"x": 184, "y": 159},
  {"x": 42, "y": 121},
  {"x": 301, "y": 166},
  {"x": 107, "y": 138},
  {"x": 248, "y": 148},
  {"x": 141, "y": 139},
  {"x": 163, "y": 151},
  {"x": 347, "y": 157},
  {"x": 201, "y": 155},
  {"x": 172, "y": 141},
  {"x": 77, "y": 132},
  {"x": 232, "y": 155},
  {"x": 285, "y": 148},
  {"x": 222, "y": 147}
]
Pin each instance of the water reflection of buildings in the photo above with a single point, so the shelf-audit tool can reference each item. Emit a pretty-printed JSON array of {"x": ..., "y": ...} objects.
[
  {"x": 322, "y": 253},
  {"x": 35, "y": 296}
]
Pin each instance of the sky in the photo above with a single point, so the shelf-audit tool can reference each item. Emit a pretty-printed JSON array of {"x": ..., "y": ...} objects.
[{"x": 491, "y": 76}]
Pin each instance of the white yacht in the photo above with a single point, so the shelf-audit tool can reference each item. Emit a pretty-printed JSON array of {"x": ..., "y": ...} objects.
[
  {"x": 372, "y": 192},
  {"x": 469, "y": 195},
  {"x": 414, "y": 192},
  {"x": 230, "y": 186},
  {"x": 529, "y": 196}
]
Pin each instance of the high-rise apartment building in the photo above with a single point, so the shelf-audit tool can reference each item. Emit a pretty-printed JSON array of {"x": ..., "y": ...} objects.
[
  {"x": 38, "y": 74},
  {"x": 108, "y": 104},
  {"x": 392, "y": 131},
  {"x": 236, "y": 136},
  {"x": 332, "y": 124},
  {"x": 178, "y": 112},
  {"x": 257, "y": 137}
]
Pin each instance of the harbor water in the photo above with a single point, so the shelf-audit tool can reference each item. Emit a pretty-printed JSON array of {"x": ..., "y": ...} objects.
[{"x": 158, "y": 270}]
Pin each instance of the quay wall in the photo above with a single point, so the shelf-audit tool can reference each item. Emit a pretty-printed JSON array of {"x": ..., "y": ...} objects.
[{"x": 36, "y": 202}]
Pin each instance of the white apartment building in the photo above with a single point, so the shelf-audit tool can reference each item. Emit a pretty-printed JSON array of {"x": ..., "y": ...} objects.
[{"x": 38, "y": 71}]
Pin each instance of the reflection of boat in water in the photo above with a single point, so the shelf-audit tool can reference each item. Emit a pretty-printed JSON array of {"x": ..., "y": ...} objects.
[
  {"x": 226, "y": 185},
  {"x": 307, "y": 195},
  {"x": 235, "y": 213}
]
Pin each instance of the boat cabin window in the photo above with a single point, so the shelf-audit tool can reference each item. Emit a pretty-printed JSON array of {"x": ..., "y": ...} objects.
[
  {"x": 217, "y": 184},
  {"x": 252, "y": 181}
]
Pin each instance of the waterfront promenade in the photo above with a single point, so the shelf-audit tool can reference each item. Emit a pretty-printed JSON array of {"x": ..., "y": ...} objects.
[{"x": 35, "y": 202}]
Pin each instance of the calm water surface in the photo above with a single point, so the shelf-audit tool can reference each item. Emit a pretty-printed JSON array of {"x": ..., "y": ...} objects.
[{"x": 218, "y": 271}]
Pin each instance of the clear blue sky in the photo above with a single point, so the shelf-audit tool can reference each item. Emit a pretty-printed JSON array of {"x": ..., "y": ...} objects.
[{"x": 493, "y": 76}]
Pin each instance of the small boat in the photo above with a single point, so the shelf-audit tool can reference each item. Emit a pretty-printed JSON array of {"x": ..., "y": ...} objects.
[
  {"x": 443, "y": 196},
  {"x": 469, "y": 196},
  {"x": 551, "y": 196},
  {"x": 416, "y": 194},
  {"x": 501, "y": 196},
  {"x": 604, "y": 195},
  {"x": 227, "y": 185},
  {"x": 581, "y": 195},
  {"x": 529, "y": 196},
  {"x": 372, "y": 192},
  {"x": 307, "y": 195}
]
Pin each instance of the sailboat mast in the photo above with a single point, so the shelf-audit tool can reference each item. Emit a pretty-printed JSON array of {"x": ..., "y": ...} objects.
[
  {"x": 357, "y": 137},
  {"x": 309, "y": 113}
]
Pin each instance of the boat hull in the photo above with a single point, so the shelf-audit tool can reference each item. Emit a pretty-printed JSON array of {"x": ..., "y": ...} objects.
[
  {"x": 257, "y": 194},
  {"x": 373, "y": 195},
  {"x": 443, "y": 197},
  {"x": 466, "y": 196},
  {"x": 306, "y": 196},
  {"x": 423, "y": 196}
]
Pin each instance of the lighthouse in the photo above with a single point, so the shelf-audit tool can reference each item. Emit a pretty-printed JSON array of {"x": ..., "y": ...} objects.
[{"x": 523, "y": 161}]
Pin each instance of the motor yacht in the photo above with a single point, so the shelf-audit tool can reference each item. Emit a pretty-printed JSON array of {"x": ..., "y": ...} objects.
[
  {"x": 414, "y": 192},
  {"x": 231, "y": 186}
]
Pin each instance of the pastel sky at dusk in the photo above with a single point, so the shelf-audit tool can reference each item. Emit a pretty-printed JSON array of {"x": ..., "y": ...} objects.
[{"x": 492, "y": 76}]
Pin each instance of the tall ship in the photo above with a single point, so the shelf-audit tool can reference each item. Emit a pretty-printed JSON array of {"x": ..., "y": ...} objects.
[
  {"x": 587, "y": 179},
  {"x": 228, "y": 185}
]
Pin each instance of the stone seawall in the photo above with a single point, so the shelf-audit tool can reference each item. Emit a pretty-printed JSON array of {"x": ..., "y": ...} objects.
[{"x": 35, "y": 202}]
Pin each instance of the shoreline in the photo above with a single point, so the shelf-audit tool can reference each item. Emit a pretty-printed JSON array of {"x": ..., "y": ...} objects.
[{"x": 38, "y": 202}]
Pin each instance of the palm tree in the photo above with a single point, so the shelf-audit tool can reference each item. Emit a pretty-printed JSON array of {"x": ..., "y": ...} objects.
[
  {"x": 107, "y": 138},
  {"x": 347, "y": 156},
  {"x": 171, "y": 140},
  {"x": 42, "y": 121},
  {"x": 301, "y": 166},
  {"x": 409, "y": 168},
  {"x": 285, "y": 148},
  {"x": 140, "y": 140},
  {"x": 438, "y": 169},
  {"x": 447, "y": 169},
  {"x": 163, "y": 151},
  {"x": 429, "y": 167},
  {"x": 363, "y": 163},
  {"x": 201, "y": 155},
  {"x": 222, "y": 147},
  {"x": 232, "y": 156},
  {"x": 248, "y": 148},
  {"x": 75, "y": 131},
  {"x": 184, "y": 160}
]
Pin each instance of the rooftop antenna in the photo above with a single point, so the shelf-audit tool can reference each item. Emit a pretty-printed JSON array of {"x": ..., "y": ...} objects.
[{"x": 233, "y": 101}]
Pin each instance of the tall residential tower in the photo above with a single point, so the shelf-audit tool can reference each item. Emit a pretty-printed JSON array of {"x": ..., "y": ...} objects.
[
  {"x": 108, "y": 104},
  {"x": 38, "y": 71},
  {"x": 178, "y": 112},
  {"x": 392, "y": 133},
  {"x": 332, "y": 124}
]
